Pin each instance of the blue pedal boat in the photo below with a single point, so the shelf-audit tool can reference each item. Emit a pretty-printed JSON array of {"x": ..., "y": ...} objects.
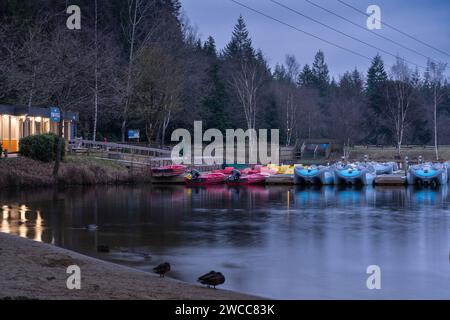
[
  {"x": 315, "y": 175},
  {"x": 356, "y": 173},
  {"x": 428, "y": 173}
]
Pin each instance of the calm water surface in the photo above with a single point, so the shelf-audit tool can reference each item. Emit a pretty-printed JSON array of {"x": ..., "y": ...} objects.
[{"x": 278, "y": 242}]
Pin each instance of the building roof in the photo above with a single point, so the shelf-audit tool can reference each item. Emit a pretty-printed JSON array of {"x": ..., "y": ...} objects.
[{"x": 34, "y": 112}]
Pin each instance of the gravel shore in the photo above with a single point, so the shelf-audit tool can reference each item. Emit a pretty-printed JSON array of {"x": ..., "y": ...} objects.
[{"x": 34, "y": 270}]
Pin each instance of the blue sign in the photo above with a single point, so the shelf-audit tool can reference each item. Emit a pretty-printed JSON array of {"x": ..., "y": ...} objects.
[
  {"x": 133, "y": 134},
  {"x": 55, "y": 114}
]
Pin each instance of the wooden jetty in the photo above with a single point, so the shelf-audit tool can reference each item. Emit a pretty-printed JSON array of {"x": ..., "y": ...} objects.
[
  {"x": 139, "y": 156},
  {"x": 288, "y": 179},
  {"x": 390, "y": 180},
  {"x": 280, "y": 179}
]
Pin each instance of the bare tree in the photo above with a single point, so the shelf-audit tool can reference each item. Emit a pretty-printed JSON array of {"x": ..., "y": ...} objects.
[
  {"x": 287, "y": 94},
  {"x": 138, "y": 11},
  {"x": 94, "y": 133},
  {"x": 158, "y": 90},
  {"x": 9, "y": 52},
  {"x": 346, "y": 118},
  {"x": 246, "y": 80},
  {"x": 436, "y": 73},
  {"x": 67, "y": 61},
  {"x": 400, "y": 95},
  {"x": 309, "y": 117},
  {"x": 345, "y": 108},
  {"x": 293, "y": 69}
]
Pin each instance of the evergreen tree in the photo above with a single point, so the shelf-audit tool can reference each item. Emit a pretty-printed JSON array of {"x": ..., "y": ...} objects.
[
  {"x": 174, "y": 7},
  {"x": 306, "y": 78},
  {"x": 321, "y": 73},
  {"x": 351, "y": 84},
  {"x": 376, "y": 86},
  {"x": 216, "y": 99},
  {"x": 210, "y": 47},
  {"x": 376, "y": 81},
  {"x": 240, "y": 45},
  {"x": 427, "y": 76},
  {"x": 198, "y": 45},
  {"x": 280, "y": 73},
  {"x": 357, "y": 80},
  {"x": 262, "y": 62}
]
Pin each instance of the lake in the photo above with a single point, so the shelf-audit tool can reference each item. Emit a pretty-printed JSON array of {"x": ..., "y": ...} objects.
[{"x": 275, "y": 241}]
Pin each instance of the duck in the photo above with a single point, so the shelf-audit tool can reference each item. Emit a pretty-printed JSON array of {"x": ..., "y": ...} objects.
[
  {"x": 92, "y": 227},
  {"x": 162, "y": 269},
  {"x": 212, "y": 279},
  {"x": 103, "y": 248},
  {"x": 206, "y": 276}
]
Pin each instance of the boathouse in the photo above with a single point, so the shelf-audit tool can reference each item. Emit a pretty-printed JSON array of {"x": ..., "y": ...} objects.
[
  {"x": 21, "y": 121},
  {"x": 319, "y": 148}
]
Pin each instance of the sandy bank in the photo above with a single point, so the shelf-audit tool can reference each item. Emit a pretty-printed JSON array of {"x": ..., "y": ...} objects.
[{"x": 36, "y": 270}]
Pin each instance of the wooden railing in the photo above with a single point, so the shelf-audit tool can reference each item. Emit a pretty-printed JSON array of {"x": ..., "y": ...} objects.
[
  {"x": 79, "y": 144},
  {"x": 133, "y": 155},
  {"x": 406, "y": 146}
]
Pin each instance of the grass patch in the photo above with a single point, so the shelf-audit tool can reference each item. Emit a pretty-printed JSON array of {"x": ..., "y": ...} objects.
[
  {"x": 94, "y": 161},
  {"x": 389, "y": 154},
  {"x": 74, "y": 171}
]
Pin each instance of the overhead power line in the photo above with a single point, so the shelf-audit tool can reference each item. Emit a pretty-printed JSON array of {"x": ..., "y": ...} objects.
[
  {"x": 300, "y": 30},
  {"x": 368, "y": 30},
  {"x": 394, "y": 28},
  {"x": 346, "y": 34}
]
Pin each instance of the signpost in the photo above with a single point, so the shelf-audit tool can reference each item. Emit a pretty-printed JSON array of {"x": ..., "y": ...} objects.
[
  {"x": 133, "y": 134},
  {"x": 55, "y": 114}
]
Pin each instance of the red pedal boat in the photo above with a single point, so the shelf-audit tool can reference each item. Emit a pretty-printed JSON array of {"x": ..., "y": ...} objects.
[
  {"x": 227, "y": 171},
  {"x": 248, "y": 171},
  {"x": 196, "y": 178},
  {"x": 168, "y": 171},
  {"x": 238, "y": 179}
]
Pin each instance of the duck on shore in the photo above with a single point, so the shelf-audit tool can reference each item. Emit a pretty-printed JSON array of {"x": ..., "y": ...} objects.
[
  {"x": 162, "y": 269},
  {"x": 206, "y": 276},
  {"x": 103, "y": 248},
  {"x": 212, "y": 278}
]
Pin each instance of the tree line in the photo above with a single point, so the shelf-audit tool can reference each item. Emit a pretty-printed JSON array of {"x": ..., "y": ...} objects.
[{"x": 138, "y": 64}]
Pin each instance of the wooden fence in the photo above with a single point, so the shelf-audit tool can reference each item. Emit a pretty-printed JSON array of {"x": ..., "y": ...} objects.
[{"x": 111, "y": 147}]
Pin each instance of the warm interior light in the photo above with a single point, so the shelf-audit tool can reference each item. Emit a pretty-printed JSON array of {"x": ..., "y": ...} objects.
[{"x": 38, "y": 119}]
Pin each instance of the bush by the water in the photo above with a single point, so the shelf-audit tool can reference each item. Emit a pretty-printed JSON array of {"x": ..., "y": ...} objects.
[{"x": 41, "y": 147}]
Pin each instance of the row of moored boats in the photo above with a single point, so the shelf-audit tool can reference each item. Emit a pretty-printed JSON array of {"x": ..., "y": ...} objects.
[
  {"x": 229, "y": 175},
  {"x": 362, "y": 173}
]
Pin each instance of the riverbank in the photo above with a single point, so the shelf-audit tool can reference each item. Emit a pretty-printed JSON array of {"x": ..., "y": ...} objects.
[
  {"x": 74, "y": 171},
  {"x": 34, "y": 270},
  {"x": 391, "y": 153}
]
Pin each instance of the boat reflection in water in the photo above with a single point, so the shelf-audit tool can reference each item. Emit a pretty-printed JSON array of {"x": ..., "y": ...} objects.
[
  {"x": 428, "y": 196},
  {"x": 274, "y": 241}
]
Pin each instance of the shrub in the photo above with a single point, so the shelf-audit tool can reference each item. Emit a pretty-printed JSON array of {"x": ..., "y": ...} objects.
[{"x": 40, "y": 147}]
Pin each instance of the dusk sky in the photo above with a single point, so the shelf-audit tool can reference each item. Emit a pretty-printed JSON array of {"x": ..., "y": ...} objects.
[{"x": 427, "y": 20}]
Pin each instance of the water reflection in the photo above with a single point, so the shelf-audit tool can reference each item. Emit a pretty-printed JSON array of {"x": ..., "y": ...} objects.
[
  {"x": 20, "y": 220},
  {"x": 277, "y": 241}
]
